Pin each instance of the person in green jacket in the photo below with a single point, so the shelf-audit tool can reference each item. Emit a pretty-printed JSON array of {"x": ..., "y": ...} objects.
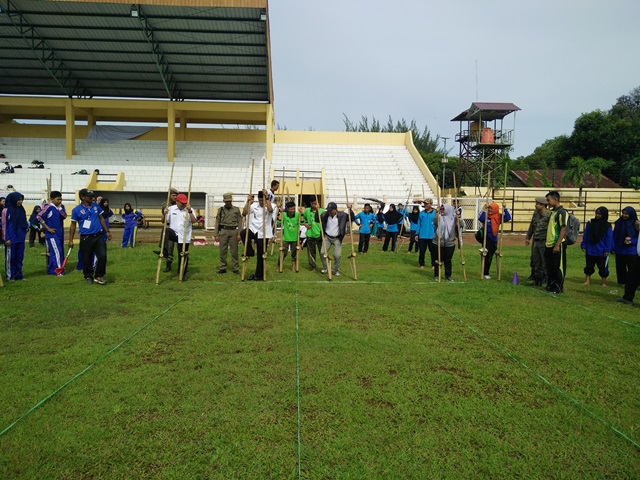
[
  {"x": 314, "y": 241},
  {"x": 290, "y": 228}
]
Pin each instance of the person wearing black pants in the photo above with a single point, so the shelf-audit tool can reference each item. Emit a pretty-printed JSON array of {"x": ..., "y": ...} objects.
[{"x": 555, "y": 253}]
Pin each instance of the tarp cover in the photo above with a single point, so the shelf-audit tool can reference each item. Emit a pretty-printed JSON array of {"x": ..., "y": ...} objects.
[{"x": 113, "y": 134}]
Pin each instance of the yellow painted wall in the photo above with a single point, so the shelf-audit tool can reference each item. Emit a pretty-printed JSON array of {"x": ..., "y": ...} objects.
[{"x": 339, "y": 138}]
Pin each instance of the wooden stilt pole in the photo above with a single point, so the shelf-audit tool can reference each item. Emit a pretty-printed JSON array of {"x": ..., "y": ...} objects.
[
  {"x": 404, "y": 215},
  {"x": 282, "y": 213},
  {"x": 486, "y": 221},
  {"x": 187, "y": 219},
  {"x": 246, "y": 225},
  {"x": 299, "y": 250},
  {"x": 164, "y": 228},
  {"x": 324, "y": 252},
  {"x": 438, "y": 237},
  {"x": 352, "y": 257},
  {"x": 504, "y": 196},
  {"x": 464, "y": 270},
  {"x": 264, "y": 220}
]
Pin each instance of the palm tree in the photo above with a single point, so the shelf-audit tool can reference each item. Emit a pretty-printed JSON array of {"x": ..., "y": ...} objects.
[{"x": 579, "y": 168}]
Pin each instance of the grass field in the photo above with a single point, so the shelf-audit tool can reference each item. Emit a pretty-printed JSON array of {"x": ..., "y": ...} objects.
[{"x": 390, "y": 376}]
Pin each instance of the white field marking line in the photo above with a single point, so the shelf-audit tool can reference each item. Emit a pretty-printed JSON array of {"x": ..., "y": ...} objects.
[
  {"x": 529, "y": 369},
  {"x": 90, "y": 366}
]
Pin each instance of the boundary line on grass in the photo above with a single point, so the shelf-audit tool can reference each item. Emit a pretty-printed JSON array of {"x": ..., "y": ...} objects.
[
  {"x": 90, "y": 366},
  {"x": 530, "y": 370},
  {"x": 298, "y": 385}
]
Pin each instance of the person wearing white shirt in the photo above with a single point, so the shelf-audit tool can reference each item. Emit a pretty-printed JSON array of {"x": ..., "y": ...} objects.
[
  {"x": 261, "y": 215},
  {"x": 177, "y": 215}
]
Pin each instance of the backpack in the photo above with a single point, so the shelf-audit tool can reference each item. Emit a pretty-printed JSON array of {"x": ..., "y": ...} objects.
[{"x": 573, "y": 228}]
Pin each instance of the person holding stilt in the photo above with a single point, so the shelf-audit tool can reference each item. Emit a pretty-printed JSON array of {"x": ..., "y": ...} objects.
[
  {"x": 177, "y": 215},
  {"x": 597, "y": 244},
  {"x": 413, "y": 227},
  {"x": 52, "y": 220},
  {"x": 392, "y": 218},
  {"x": 334, "y": 226},
  {"x": 260, "y": 221},
  {"x": 449, "y": 226},
  {"x": 492, "y": 211},
  {"x": 290, "y": 229},
  {"x": 365, "y": 220},
  {"x": 169, "y": 243},
  {"x": 312, "y": 224},
  {"x": 425, "y": 232}
]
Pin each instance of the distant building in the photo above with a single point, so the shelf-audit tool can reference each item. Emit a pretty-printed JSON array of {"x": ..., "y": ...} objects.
[{"x": 536, "y": 178}]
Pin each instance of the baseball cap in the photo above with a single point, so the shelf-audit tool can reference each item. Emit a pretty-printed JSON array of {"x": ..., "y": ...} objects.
[
  {"x": 541, "y": 200},
  {"x": 85, "y": 192},
  {"x": 182, "y": 198},
  {"x": 332, "y": 206},
  {"x": 227, "y": 196}
]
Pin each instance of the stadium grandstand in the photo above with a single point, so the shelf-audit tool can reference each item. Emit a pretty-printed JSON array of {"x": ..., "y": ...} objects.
[{"x": 109, "y": 95}]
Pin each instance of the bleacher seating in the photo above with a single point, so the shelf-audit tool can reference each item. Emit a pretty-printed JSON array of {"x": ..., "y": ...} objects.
[{"x": 379, "y": 171}]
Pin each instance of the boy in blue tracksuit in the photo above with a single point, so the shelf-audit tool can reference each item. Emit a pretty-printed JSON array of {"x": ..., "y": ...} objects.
[
  {"x": 425, "y": 232},
  {"x": 130, "y": 226},
  {"x": 365, "y": 220},
  {"x": 14, "y": 232},
  {"x": 52, "y": 219}
]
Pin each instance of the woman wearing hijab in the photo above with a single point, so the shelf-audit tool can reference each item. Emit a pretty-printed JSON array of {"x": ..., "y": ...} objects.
[
  {"x": 597, "y": 243},
  {"x": 450, "y": 225},
  {"x": 413, "y": 229},
  {"x": 35, "y": 228},
  {"x": 365, "y": 220},
  {"x": 392, "y": 217},
  {"x": 625, "y": 241},
  {"x": 2, "y": 202},
  {"x": 14, "y": 230},
  {"x": 493, "y": 228}
]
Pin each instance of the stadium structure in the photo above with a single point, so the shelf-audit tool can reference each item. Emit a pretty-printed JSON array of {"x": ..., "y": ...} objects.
[{"x": 110, "y": 95}]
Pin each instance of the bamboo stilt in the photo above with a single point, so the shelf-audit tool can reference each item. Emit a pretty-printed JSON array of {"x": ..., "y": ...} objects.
[
  {"x": 486, "y": 221},
  {"x": 187, "y": 218},
  {"x": 504, "y": 196},
  {"x": 324, "y": 252},
  {"x": 404, "y": 215},
  {"x": 464, "y": 270},
  {"x": 246, "y": 235},
  {"x": 164, "y": 228},
  {"x": 264, "y": 220},
  {"x": 352, "y": 257},
  {"x": 439, "y": 234}
]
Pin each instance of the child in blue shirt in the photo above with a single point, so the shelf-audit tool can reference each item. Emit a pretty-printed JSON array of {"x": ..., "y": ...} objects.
[
  {"x": 365, "y": 220},
  {"x": 52, "y": 220},
  {"x": 130, "y": 226}
]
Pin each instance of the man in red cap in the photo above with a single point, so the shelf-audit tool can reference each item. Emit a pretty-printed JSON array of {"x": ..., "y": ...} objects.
[{"x": 181, "y": 218}]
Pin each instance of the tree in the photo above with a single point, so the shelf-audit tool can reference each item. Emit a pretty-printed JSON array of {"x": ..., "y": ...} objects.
[
  {"x": 422, "y": 139},
  {"x": 579, "y": 168}
]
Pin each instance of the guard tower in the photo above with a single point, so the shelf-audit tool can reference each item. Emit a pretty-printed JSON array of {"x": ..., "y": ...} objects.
[{"x": 484, "y": 141}]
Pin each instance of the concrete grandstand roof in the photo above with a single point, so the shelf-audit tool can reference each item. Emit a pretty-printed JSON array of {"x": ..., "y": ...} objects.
[
  {"x": 486, "y": 111},
  {"x": 180, "y": 50}
]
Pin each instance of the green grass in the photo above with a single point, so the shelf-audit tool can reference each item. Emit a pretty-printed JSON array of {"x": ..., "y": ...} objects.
[{"x": 399, "y": 377}]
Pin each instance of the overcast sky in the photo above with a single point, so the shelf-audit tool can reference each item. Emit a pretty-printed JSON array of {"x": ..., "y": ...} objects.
[{"x": 417, "y": 59}]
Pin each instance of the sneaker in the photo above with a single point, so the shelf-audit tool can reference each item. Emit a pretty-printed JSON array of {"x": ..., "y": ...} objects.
[
  {"x": 624, "y": 300},
  {"x": 435, "y": 278},
  {"x": 157, "y": 252},
  {"x": 449, "y": 279},
  {"x": 324, "y": 270},
  {"x": 487, "y": 277},
  {"x": 421, "y": 267},
  {"x": 237, "y": 272},
  {"x": 336, "y": 274},
  {"x": 100, "y": 281},
  {"x": 88, "y": 281},
  {"x": 222, "y": 270}
]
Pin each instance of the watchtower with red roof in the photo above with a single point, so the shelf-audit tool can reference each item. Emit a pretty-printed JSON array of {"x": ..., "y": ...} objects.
[{"x": 484, "y": 141}]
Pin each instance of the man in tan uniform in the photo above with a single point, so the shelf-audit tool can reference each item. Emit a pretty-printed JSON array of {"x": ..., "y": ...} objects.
[{"x": 228, "y": 222}]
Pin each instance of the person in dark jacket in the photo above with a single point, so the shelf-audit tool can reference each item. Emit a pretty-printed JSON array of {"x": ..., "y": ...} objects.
[
  {"x": 597, "y": 244},
  {"x": 14, "y": 231},
  {"x": 35, "y": 229},
  {"x": 334, "y": 226},
  {"x": 625, "y": 241}
]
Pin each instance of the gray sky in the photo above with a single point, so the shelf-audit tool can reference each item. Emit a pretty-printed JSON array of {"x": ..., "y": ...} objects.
[{"x": 417, "y": 59}]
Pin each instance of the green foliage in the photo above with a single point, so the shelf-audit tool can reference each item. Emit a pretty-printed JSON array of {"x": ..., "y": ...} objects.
[
  {"x": 422, "y": 139},
  {"x": 634, "y": 182},
  {"x": 611, "y": 135},
  {"x": 578, "y": 168}
]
